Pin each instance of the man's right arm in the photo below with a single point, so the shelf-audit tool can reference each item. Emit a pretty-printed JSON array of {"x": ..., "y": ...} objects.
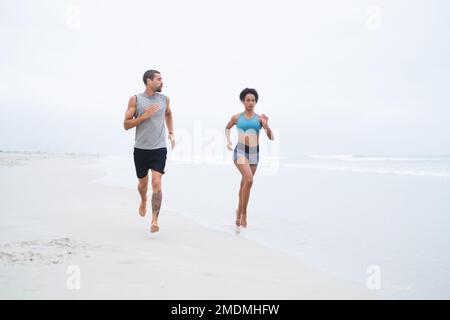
[{"x": 130, "y": 122}]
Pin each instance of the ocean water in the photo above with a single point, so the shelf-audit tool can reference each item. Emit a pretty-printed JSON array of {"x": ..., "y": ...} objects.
[{"x": 347, "y": 215}]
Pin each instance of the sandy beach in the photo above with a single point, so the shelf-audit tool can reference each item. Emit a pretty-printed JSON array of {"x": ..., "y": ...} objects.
[{"x": 57, "y": 224}]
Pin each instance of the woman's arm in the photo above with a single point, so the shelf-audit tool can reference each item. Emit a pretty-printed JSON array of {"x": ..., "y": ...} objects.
[
  {"x": 264, "y": 123},
  {"x": 229, "y": 125}
]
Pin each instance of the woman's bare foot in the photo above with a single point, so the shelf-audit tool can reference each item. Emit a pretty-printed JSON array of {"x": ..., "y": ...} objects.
[
  {"x": 154, "y": 228},
  {"x": 243, "y": 221},
  {"x": 238, "y": 218},
  {"x": 143, "y": 208}
]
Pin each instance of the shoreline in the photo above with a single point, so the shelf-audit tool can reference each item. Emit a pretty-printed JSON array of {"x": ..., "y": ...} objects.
[{"x": 102, "y": 233}]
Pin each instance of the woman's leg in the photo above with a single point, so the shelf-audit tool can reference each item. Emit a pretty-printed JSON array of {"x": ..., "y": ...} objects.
[
  {"x": 239, "y": 209},
  {"x": 244, "y": 192},
  {"x": 244, "y": 216}
]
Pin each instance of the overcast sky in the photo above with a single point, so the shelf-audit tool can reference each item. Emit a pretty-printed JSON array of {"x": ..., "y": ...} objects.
[{"x": 334, "y": 77}]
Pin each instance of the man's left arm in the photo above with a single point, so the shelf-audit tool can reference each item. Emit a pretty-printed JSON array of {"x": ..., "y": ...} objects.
[{"x": 169, "y": 123}]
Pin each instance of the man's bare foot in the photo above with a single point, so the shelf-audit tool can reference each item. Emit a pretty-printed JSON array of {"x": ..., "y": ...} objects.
[
  {"x": 243, "y": 221},
  {"x": 154, "y": 228},
  {"x": 143, "y": 208},
  {"x": 238, "y": 218}
]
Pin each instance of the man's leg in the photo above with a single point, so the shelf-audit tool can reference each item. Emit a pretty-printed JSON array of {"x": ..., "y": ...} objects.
[
  {"x": 156, "y": 199},
  {"x": 142, "y": 188}
]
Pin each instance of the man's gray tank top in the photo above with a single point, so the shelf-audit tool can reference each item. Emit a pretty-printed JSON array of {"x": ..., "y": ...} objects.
[{"x": 151, "y": 133}]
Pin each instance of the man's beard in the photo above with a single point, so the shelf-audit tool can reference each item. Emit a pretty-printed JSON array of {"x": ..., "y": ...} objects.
[{"x": 159, "y": 89}]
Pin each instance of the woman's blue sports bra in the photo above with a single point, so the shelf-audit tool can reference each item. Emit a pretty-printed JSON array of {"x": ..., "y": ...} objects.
[{"x": 244, "y": 124}]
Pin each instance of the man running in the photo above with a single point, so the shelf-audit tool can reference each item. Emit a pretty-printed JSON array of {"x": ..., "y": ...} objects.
[{"x": 147, "y": 111}]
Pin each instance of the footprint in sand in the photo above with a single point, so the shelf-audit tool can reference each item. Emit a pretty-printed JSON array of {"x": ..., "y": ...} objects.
[{"x": 40, "y": 251}]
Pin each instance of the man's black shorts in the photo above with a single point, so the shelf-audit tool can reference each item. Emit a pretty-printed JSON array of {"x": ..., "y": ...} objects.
[{"x": 149, "y": 159}]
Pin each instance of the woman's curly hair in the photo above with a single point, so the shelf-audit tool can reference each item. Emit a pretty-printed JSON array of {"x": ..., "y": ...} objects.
[{"x": 248, "y": 91}]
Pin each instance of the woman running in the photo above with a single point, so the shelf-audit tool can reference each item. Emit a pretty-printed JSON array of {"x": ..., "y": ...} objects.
[{"x": 246, "y": 152}]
